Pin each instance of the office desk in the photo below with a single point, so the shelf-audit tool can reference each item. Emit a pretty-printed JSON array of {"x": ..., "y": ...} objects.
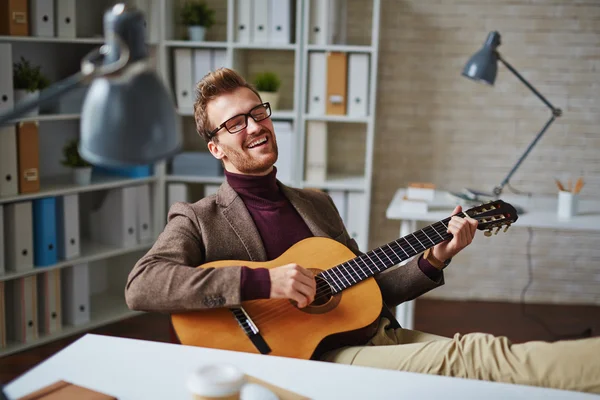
[
  {"x": 539, "y": 212},
  {"x": 137, "y": 369}
]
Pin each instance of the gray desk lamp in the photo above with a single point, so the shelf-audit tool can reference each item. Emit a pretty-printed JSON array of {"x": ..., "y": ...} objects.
[
  {"x": 128, "y": 117},
  {"x": 483, "y": 67}
]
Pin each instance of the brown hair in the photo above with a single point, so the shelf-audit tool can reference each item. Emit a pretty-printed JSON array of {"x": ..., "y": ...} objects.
[{"x": 214, "y": 84}]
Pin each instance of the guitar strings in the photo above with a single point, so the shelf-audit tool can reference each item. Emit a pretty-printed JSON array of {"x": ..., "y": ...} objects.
[{"x": 323, "y": 291}]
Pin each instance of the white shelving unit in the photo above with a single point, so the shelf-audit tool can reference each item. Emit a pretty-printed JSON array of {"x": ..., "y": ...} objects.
[
  {"x": 108, "y": 265},
  {"x": 248, "y": 58}
]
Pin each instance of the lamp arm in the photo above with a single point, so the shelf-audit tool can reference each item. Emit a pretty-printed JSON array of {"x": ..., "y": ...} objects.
[
  {"x": 498, "y": 189},
  {"x": 90, "y": 69},
  {"x": 55, "y": 91},
  {"x": 555, "y": 111}
]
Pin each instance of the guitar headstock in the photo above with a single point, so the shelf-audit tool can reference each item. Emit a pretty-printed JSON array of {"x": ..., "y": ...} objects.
[{"x": 495, "y": 214}]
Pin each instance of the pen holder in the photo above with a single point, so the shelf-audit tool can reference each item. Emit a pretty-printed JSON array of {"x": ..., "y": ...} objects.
[{"x": 567, "y": 204}]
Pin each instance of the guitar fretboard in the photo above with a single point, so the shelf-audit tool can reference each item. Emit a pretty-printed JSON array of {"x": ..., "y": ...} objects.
[{"x": 356, "y": 270}]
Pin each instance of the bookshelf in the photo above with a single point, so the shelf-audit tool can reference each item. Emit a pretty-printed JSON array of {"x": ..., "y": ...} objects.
[{"x": 349, "y": 136}]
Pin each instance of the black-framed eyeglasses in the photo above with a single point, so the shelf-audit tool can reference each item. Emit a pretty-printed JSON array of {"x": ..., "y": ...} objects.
[{"x": 239, "y": 122}]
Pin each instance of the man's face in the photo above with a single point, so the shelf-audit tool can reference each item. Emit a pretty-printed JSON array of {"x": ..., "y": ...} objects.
[{"x": 253, "y": 150}]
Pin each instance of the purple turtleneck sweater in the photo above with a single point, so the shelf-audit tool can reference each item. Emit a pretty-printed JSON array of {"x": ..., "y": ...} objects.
[{"x": 279, "y": 225}]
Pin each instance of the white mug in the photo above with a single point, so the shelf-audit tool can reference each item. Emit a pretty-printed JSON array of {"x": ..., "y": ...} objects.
[
  {"x": 224, "y": 382},
  {"x": 567, "y": 204}
]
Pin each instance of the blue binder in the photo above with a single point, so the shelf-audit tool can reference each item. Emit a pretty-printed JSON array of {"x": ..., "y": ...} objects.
[{"x": 44, "y": 232}]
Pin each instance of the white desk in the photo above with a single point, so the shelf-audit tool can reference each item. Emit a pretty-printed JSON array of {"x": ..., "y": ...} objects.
[
  {"x": 136, "y": 369},
  {"x": 539, "y": 212}
]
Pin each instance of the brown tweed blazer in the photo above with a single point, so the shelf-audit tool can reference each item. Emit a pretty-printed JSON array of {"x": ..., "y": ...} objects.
[{"x": 219, "y": 227}]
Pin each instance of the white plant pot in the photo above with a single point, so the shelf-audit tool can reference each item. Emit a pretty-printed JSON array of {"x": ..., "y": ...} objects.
[
  {"x": 196, "y": 33},
  {"x": 272, "y": 98},
  {"x": 21, "y": 95},
  {"x": 82, "y": 175}
]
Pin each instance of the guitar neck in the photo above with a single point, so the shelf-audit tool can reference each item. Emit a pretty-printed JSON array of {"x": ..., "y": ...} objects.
[{"x": 356, "y": 270}]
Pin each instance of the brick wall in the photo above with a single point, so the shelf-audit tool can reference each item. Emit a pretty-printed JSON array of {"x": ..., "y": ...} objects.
[{"x": 434, "y": 125}]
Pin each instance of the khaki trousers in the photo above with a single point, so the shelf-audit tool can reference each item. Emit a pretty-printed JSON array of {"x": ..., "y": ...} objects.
[{"x": 569, "y": 365}]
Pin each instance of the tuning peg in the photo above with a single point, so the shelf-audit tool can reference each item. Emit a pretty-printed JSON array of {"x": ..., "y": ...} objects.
[
  {"x": 497, "y": 230},
  {"x": 507, "y": 226},
  {"x": 488, "y": 233}
]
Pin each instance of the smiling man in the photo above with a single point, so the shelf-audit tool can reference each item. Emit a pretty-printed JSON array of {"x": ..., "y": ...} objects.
[{"x": 254, "y": 217}]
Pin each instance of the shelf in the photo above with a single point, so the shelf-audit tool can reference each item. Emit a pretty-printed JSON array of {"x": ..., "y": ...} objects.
[
  {"x": 337, "y": 118},
  {"x": 64, "y": 185},
  {"x": 352, "y": 183},
  {"x": 340, "y": 47},
  {"x": 277, "y": 114},
  {"x": 48, "y": 117},
  {"x": 90, "y": 251},
  {"x": 264, "y": 46},
  {"x": 195, "y": 179},
  {"x": 105, "y": 308},
  {"x": 40, "y": 39},
  {"x": 189, "y": 43}
]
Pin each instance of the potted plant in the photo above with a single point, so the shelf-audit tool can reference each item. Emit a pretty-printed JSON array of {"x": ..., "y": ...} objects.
[
  {"x": 27, "y": 82},
  {"x": 198, "y": 17},
  {"x": 267, "y": 84},
  {"x": 82, "y": 170}
]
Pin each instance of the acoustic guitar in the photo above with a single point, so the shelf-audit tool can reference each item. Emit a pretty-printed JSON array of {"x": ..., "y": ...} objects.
[{"x": 347, "y": 297}]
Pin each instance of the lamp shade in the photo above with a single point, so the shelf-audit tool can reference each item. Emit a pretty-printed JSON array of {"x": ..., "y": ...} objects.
[
  {"x": 128, "y": 118},
  {"x": 483, "y": 65}
]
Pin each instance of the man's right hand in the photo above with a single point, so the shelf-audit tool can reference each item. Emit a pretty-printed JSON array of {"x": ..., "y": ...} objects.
[{"x": 293, "y": 282}]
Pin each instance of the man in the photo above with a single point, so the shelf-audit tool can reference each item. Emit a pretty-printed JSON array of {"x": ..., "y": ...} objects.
[{"x": 254, "y": 217}]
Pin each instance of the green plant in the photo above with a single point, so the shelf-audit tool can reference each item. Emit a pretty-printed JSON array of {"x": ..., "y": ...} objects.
[
  {"x": 267, "y": 82},
  {"x": 28, "y": 77},
  {"x": 197, "y": 13},
  {"x": 71, "y": 155}
]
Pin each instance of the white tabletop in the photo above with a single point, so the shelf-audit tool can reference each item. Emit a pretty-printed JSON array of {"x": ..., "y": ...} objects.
[
  {"x": 136, "y": 369},
  {"x": 538, "y": 211}
]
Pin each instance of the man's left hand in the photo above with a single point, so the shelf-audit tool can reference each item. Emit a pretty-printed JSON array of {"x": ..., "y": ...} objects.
[{"x": 463, "y": 230}]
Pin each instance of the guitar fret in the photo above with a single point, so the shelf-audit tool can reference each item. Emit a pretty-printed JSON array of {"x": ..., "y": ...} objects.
[
  {"x": 401, "y": 248},
  {"x": 375, "y": 252},
  {"x": 436, "y": 231},
  {"x": 344, "y": 266},
  {"x": 332, "y": 278},
  {"x": 388, "y": 256},
  {"x": 425, "y": 233},
  {"x": 406, "y": 240},
  {"x": 340, "y": 282},
  {"x": 394, "y": 253},
  {"x": 419, "y": 241},
  {"x": 370, "y": 259},
  {"x": 360, "y": 269}
]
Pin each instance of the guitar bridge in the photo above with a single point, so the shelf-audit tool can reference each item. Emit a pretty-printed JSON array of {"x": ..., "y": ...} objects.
[{"x": 250, "y": 329}]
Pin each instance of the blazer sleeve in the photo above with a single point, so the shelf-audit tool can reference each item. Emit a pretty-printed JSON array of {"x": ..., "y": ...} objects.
[
  {"x": 166, "y": 279},
  {"x": 399, "y": 283}
]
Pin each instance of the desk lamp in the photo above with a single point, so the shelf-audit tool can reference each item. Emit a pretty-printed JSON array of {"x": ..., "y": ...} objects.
[
  {"x": 128, "y": 117},
  {"x": 482, "y": 67}
]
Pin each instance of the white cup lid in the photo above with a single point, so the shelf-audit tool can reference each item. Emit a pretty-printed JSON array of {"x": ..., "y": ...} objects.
[{"x": 216, "y": 380}]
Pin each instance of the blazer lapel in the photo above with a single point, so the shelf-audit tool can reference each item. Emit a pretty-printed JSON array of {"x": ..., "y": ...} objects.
[
  {"x": 306, "y": 210},
  {"x": 238, "y": 217}
]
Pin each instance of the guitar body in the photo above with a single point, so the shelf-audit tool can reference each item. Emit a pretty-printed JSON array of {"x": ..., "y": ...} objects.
[{"x": 288, "y": 330}]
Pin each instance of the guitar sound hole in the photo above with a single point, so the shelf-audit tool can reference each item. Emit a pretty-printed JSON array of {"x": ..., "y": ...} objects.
[
  {"x": 323, "y": 292},
  {"x": 325, "y": 300}
]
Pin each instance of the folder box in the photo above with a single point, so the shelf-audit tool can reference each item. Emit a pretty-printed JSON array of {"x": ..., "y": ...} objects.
[
  {"x": 2, "y": 259},
  {"x": 14, "y": 18},
  {"x": 28, "y": 157},
  {"x": 9, "y": 176},
  {"x": 2, "y": 315},
  {"x": 42, "y": 18},
  {"x": 18, "y": 236},
  {"x": 79, "y": 19},
  {"x": 49, "y": 302},
  {"x": 75, "y": 294},
  {"x": 6, "y": 81},
  {"x": 44, "y": 232},
  {"x": 21, "y": 309},
  {"x": 67, "y": 226},
  {"x": 199, "y": 163},
  {"x": 260, "y": 21},
  {"x": 243, "y": 25},
  {"x": 337, "y": 70},
  {"x": 115, "y": 220}
]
